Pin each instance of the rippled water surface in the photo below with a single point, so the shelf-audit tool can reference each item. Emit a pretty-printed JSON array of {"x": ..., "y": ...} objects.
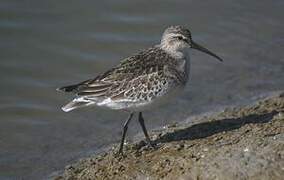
[{"x": 46, "y": 44}]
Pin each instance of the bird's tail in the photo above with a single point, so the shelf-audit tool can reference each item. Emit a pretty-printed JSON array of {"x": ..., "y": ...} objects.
[
  {"x": 68, "y": 88},
  {"x": 75, "y": 104}
]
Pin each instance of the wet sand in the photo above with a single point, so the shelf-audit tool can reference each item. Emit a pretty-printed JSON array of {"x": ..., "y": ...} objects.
[{"x": 238, "y": 143}]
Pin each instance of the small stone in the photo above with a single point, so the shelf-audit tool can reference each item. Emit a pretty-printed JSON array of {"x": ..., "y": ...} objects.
[
  {"x": 280, "y": 115},
  {"x": 274, "y": 138},
  {"x": 180, "y": 147},
  {"x": 172, "y": 125},
  {"x": 187, "y": 146},
  {"x": 167, "y": 161},
  {"x": 246, "y": 150},
  {"x": 156, "y": 136},
  {"x": 99, "y": 159}
]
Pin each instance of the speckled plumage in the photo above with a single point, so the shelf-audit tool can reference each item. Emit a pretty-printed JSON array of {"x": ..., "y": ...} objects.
[
  {"x": 138, "y": 79},
  {"x": 141, "y": 81}
]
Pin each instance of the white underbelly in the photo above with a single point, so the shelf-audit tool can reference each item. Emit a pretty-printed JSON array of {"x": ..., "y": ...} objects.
[{"x": 145, "y": 105}]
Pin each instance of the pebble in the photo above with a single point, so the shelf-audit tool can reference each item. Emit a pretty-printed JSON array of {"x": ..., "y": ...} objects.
[
  {"x": 172, "y": 125},
  {"x": 180, "y": 147},
  {"x": 187, "y": 146},
  {"x": 280, "y": 115},
  {"x": 217, "y": 138}
]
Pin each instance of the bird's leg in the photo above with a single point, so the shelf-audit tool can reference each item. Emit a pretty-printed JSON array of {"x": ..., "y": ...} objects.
[
  {"x": 125, "y": 127},
  {"x": 141, "y": 121}
]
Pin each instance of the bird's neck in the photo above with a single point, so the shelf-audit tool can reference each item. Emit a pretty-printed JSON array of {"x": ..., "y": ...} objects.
[
  {"x": 182, "y": 59},
  {"x": 175, "y": 52}
]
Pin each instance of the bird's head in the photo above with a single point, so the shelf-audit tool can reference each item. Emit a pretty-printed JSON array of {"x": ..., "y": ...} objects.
[{"x": 178, "y": 38}]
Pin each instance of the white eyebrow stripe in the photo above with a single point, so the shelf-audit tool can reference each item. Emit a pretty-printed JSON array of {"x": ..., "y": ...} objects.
[{"x": 177, "y": 35}]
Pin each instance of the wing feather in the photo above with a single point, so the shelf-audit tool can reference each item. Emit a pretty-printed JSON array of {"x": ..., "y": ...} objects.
[{"x": 130, "y": 73}]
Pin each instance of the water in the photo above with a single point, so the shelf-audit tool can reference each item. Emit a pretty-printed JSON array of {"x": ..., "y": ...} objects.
[{"x": 46, "y": 44}]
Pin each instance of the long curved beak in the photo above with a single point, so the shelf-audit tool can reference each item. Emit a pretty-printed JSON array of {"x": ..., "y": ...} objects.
[{"x": 196, "y": 46}]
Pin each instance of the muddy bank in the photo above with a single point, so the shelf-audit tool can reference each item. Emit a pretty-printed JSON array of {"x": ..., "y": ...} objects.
[{"x": 237, "y": 143}]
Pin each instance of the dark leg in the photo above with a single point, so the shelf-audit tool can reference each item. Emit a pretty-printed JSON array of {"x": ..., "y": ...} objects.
[
  {"x": 141, "y": 121},
  {"x": 125, "y": 126}
]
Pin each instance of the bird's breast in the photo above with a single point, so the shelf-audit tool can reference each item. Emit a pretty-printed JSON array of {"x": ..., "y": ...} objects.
[{"x": 183, "y": 68}]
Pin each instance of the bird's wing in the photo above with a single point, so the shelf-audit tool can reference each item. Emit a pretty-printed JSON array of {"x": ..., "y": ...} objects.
[{"x": 135, "y": 72}]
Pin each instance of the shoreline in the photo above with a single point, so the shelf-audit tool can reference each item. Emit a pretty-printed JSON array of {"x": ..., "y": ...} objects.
[{"x": 244, "y": 142}]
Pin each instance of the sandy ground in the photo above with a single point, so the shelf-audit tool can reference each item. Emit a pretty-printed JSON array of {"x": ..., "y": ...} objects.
[{"x": 237, "y": 143}]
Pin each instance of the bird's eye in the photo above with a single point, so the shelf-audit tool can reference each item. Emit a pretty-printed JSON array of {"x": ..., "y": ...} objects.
[{"x": 180, "y": 38}]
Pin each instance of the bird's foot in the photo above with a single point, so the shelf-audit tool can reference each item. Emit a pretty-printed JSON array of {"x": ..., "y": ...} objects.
[
  {"x": 152, "y": 145},
  {"x": 149, "y": 145},
  {"x": 119, "y": 154}
]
